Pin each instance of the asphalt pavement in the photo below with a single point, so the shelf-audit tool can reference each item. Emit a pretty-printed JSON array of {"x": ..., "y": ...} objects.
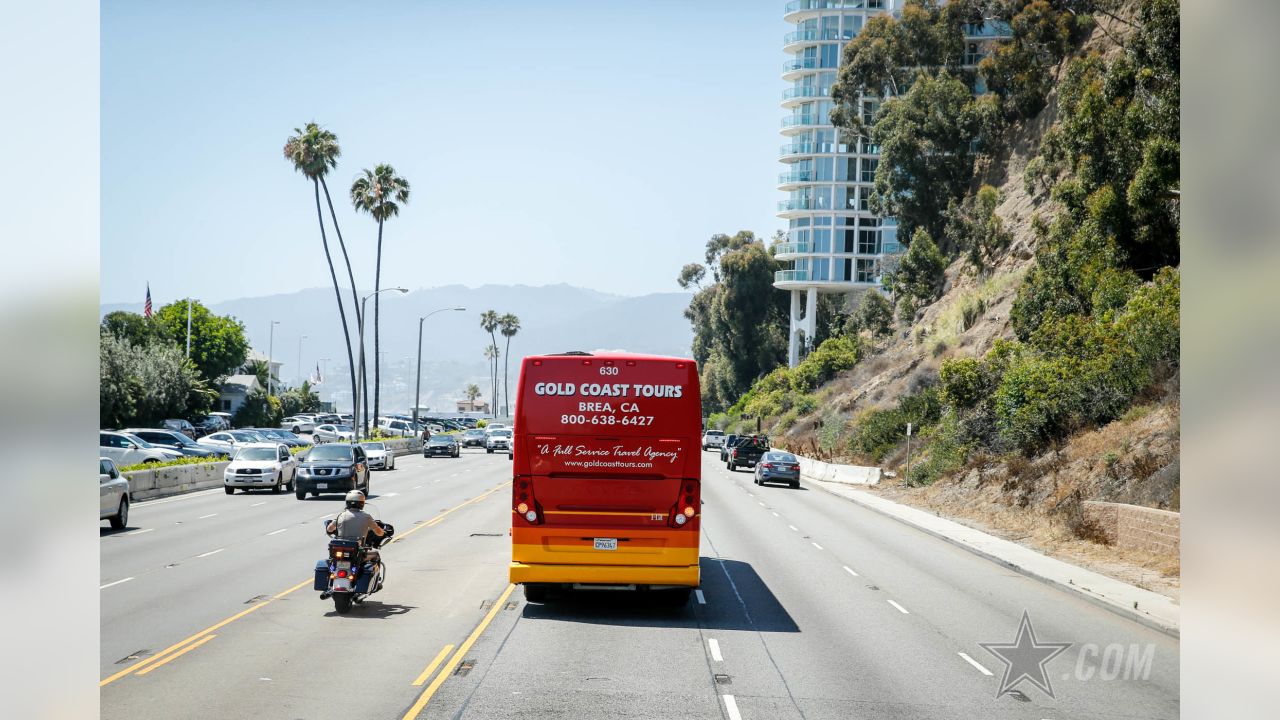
[{"x": 811, "y": 607}]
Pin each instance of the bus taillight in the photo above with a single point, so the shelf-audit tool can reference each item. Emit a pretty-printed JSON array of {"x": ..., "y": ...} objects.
[
  {"x": 525, "y": 504},
  {"x": 686, "y": 506}
]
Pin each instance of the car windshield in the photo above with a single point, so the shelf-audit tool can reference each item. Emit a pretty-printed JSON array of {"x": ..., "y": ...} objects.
[
  {"x": 501, "y": 433},
  {"x": 141, "y": 443},
  {"x": 714, "y": 432},
  {"x": 256, "y": 453},
  {"x": 781, "y": 457},
  {"x": 374, "y": 445},
  {"x": 342, "y": 428},
  {"x": 182, "y": 439},
  {"x": 244, "y": 436},
  {"x": 441, "y": 438},
  {"x": 330, "y": 452}
]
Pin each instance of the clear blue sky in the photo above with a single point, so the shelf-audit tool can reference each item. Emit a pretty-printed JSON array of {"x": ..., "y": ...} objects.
[{"x": 594, "y": 143}]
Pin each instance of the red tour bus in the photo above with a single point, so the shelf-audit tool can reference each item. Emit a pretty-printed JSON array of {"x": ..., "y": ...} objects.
[{"x": 606, "y": 489}]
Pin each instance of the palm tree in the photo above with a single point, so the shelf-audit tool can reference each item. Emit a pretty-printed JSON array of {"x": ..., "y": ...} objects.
[
  {"x": 379, "y": 193},
  {"x": 489, "y": 321},
  {"x": 491, "y": 354},
  {"x": 510, "y": 325},
  {"x": 259, "y": 369},
  {"x": 314, "y": 152},
  {"x": 472, "y": 392}
]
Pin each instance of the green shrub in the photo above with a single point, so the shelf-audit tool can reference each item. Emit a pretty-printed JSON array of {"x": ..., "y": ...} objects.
[
  {"x": 962, "y": 385},
  {"x": 1035, "y": 400},
  {"x": 943, "y": 451},
  {"x": 185, "y": 460},
  {"x": 832, "y": 357},
  {"x": 482, "y": 423},
  {"x": 879, "y": 431},
  {"x": 1150, "y": 322}
]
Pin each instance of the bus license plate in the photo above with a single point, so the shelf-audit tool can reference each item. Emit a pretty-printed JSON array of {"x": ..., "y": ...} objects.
[
  {"x": 606, "y": 543},
  {"x": 322, "y": 486}
]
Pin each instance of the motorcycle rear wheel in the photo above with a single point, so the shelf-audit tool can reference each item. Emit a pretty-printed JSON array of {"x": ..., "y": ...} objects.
[{"x": 342, "y": 603}]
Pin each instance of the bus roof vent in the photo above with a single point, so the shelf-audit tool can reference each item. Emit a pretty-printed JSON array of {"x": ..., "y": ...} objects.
[{"x": 573, "y": 352}]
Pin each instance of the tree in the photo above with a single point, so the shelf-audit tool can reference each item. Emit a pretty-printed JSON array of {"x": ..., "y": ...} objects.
[
  {"x": 129, "y": 326},
  {"x": 314, "y": 152},
  {"x": 260, "y": 369},
  {"x": 380, "y": 193},
  {"x": 145, "y": 384},
  {"x": 218, "y": 344},
  {"x": 299, "y": 399},
  {"x": 489, "y": 321},
  {"x": 510, "y": 325},
  {"x": 974, "y": 228},
  {"x": 926, "y": 160},
  {"x": 919, "y": 277},
  {"x": 874, "y": 314},
  {"x": 259, "y": 410},
  {"x": 691, "y": 274},
  {"x": 472, "y": 391}
]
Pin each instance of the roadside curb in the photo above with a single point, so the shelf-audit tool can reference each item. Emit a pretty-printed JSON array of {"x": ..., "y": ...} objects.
[{"x": 1148, "y": 608}]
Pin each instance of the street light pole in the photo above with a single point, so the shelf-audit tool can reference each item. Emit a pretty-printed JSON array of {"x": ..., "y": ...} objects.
[
  {"x": 301, "y": 376},
  {"x": 417, "y": 392},
  {"x": 270, "y": 351},
  {"x": 355, "y": 411}
]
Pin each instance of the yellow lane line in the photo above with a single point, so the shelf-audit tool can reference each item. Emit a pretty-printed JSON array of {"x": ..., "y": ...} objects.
[
  {"x": 434, "y": 664},
  {"x": 176, "y": 646},
  {"x": 457, "y": 657},
  {"x": 438, "y": 518},
  {"x": 179, "y": 654}
]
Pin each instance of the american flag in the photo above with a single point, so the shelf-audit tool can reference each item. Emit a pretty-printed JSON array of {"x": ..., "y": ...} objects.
[
  {"x": 146, "y": 307},
  {"x": 317, "y": 379}
]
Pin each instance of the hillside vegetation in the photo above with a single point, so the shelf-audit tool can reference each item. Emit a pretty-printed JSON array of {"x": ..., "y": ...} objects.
[{"x": 1031, "y": 331}]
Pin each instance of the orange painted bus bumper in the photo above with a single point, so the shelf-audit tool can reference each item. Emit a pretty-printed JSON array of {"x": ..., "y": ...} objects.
[{"x": 688, "y": 576}]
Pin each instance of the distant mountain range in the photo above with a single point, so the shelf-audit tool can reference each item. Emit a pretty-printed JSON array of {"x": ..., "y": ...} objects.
[{"x": 553, "y": 318}]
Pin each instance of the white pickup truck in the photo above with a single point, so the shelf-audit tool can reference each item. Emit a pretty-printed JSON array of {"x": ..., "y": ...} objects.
[{"x": 712, "y": 439}]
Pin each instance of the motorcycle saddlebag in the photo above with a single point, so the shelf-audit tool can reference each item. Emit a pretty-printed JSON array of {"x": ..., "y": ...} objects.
[
  {"x": 362, "y": 582},
  {"x": 322, "y": 575}
]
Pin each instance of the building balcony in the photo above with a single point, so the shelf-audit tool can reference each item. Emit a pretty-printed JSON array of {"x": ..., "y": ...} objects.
[
  {"x": 796, "y": 177},
  {"x": 797, "y": 9},
  {"x": 794, "y": 204},
  {"x": 801, "y": 279},
  {"x": 804, "y": 91},
  {"x": 792, "y": 124},
  {"x": 994, "y": 29},
  {"x": 785, "y": 250},
  {"x": 800, "y": 38},
  {"x": 791, "y": 150}
]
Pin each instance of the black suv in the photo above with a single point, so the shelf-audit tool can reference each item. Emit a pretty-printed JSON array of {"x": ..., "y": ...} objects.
[
  {"x": 747, "y": 450},
  {"x": 332, "y": 468}
]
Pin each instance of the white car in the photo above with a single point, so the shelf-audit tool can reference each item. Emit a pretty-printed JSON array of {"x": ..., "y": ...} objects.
[
  {"x": 332, "y": 433},
  {"x": 712, "y": 439},
  {"x": 260, "y": 465},
  {"x": 230, "y": 440},
  {"x": 125, "y": 449},
  {"x": 297, "y": 424},
  {"x": 113, "y": 494},
  {"x": 396, "y": 428},
  {"x": 380, "y": 457},
  {"x": 499, "y": 439}
]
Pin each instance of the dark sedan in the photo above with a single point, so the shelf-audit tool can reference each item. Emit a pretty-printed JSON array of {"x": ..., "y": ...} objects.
[
  {"x": 174, "y": 440},
  {"x": 332, "y": 468},
  {"x": 444, "y": 445},
  {"x": 777, "y": 466}
]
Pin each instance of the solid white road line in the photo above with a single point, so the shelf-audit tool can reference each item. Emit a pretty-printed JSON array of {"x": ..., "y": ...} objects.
[
  {"x": 264, "y": 502},
  {"x": 760, "y": 503},
  {"x": 390, "y": 495},
  {"x": 793, "y": 527},
  {"x": 900, "y": 608},
  {"x": 974, "y": 663},
  {"x": 104, "y": 587},
  {"x": 277, "y": 532},
  {"x": 139, "y": 532},
  {"x": 776, "y": 515},
  {"x": 702, "y": 599},
  {"x": 417, "y": 487},
  {"x": 211, "y": 552},
  {"x": 204, "y": 517},
  {"x": 850, "y": 571},
  {"x": 715, "y": 650},
  {"x": 731, "y": 707},
  {"x": 816, "y": 545}
]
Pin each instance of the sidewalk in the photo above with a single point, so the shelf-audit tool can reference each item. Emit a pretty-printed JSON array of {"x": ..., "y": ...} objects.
[{"x": 1149, "y": 608}]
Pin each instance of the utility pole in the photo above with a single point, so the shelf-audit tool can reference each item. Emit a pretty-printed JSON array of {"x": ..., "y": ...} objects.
[
  {"x": 188, "y": 328},
  {"x": 301, "y": 373},
  {"x": 417, "y": 393},
  {"x": 271, "y": 342},
  {"x": 356, "y": 409}
]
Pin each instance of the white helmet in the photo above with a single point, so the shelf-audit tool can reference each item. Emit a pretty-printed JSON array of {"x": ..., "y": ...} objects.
[{"x": 355, "y": 499}]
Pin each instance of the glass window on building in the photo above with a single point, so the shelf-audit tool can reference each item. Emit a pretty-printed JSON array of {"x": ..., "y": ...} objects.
[
  {"x": 831, "y": 27},
  {"x": 865, "y": 270},
  {"x": 799, "y": 235},
  {"x": 844, "y": 270},
  {"x": 869, "y": 169},
  {"x": 875, "y": 4},
  {"x": 849, "y": 197},
  {"x": 822, "y": 240},
  {"x": 868, "y": 242},
  {"x": 821, "y": 269},
  {"x": 845, "y": 241},
  {"x": 869, "y": 110},
  {"x": 852, "y": 26},
  {"x": 864, "y": 199},
  {"x": 824, "y": 141},
  {"x": 800, "y": 222},
  {"x": 823, "y": 169},
  {"x": 830, "y": 56},
  {"x": 821, "y": 197},
  {"x": 824, "y": 220}
]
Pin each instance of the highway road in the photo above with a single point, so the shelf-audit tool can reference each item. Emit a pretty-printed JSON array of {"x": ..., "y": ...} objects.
[{"x": 811, "y": 607}]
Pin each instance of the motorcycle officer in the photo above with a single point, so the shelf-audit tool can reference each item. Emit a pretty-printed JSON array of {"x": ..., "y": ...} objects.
[{"x": 354, "y": 523}]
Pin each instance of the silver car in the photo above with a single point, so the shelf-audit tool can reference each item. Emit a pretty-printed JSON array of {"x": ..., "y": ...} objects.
[
  {"x": 297, "y": 424},
  {"x": 332, "y": 433},
  {"x": 113, "y": 494},
  {"x": 127, "y": 449}
]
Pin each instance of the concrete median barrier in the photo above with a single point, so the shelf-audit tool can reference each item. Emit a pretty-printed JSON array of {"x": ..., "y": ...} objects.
[
  {"x": 832, "y": 472},
  {"x": 174, "y": 480}
]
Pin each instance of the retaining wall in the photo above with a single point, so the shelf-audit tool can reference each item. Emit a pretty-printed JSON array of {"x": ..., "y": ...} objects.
[{"x": 1136, "y": 527}]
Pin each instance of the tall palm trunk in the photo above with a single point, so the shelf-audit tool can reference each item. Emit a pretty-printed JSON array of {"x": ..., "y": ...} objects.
[
  {"x": 506, "y": 376},
  {"x": 355, "y": 301},
  {"x": 493, "y": 375},
  {"x": 377, "y": 357},
  {"x": 337, "y": 292}
]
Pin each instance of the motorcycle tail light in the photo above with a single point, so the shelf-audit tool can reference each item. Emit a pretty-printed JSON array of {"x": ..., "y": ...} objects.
[{"x": 342, "y": 573}]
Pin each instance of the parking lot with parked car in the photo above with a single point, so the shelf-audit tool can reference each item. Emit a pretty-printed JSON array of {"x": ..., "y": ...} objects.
[
  {"x": 174, "y": 440},
  {"x": 126, "y": 449}
]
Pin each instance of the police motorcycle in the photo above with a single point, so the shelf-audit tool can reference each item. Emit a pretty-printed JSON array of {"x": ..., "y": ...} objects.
[{"x": 354, "y": 570}]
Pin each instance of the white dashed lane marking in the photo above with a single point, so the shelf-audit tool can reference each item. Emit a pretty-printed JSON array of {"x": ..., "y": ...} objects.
[
  {"x": 715, "y": 650},
  {"x": 203, "y": 517},
  {"x": 277, "y": 532},
  {"x": 850, "y": 571},
  {"x": 793, "y": 527},
  {"x": 702, "y": 599},
  {"x": 900, "y": 608},
  {"x": 139, "y": 532},
  {"x": 731, "y": 707},
  {"x": 211, "y": 552},
  {"x": 816, "y": 545},
  {"x": 974, "y": 663},
  {"x": 104, "y": 587}
]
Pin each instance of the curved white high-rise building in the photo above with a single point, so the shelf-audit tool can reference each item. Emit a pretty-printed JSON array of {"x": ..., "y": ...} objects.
[{"x": 834, "y": 242}]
